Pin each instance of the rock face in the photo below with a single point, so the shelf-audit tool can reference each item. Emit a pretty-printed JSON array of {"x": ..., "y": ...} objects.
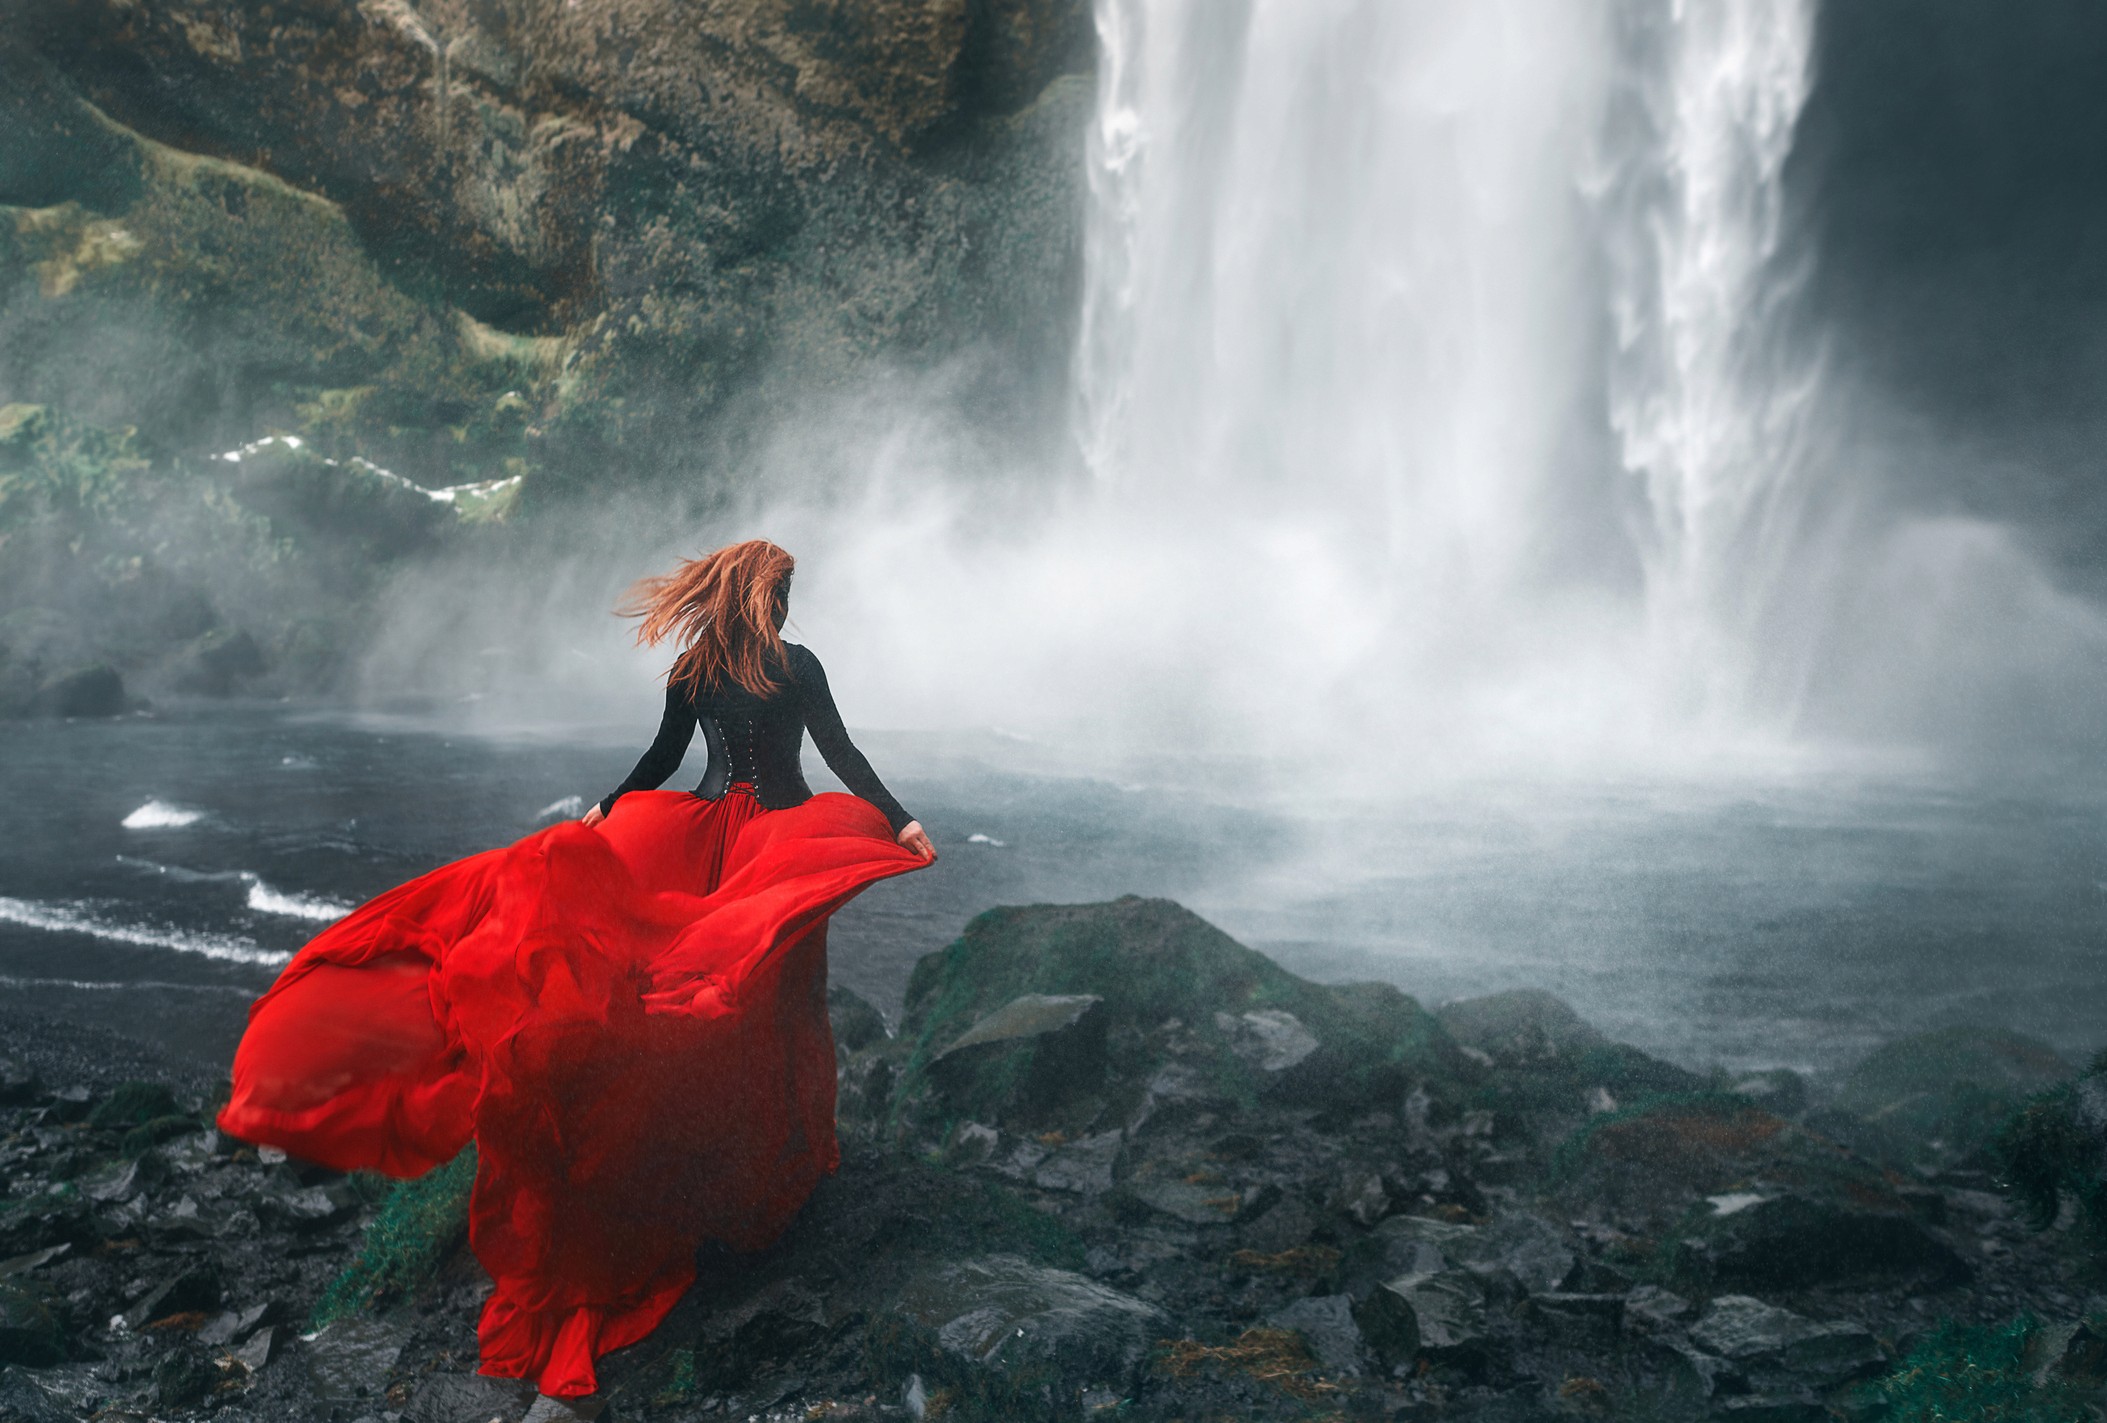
[
  {"x": 518, "y": 252},
  {"x": 369, "y": 221}
]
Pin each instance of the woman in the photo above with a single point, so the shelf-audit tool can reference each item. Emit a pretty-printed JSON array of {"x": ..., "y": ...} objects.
[{"x": 626, "y": 1013}]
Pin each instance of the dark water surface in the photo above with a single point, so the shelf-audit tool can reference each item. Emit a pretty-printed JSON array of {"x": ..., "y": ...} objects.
[{"x": 1796, "y": 922}]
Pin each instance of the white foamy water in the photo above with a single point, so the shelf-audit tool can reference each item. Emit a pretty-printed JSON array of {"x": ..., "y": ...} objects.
[
  {"x": 266, "y": 900},
  {"x": 569, "y": 808},
  {"x": 181, "y": 875},
  {"x": 8, "y": 980},
  {"x": 976, "y": 838},
  {"x": 76, "y": 918},
  {"x": 262, "y": 897},
  {"x": 160, "y": 815}
]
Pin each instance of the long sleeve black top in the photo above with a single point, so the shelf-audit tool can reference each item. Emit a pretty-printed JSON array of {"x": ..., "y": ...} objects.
[{"x": 758, "y": 740}]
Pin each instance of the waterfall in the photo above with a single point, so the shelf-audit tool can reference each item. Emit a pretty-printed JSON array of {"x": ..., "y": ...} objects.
[
  {"x": 1714, "y": 391},
  {"x": 1478, "y": 309}
]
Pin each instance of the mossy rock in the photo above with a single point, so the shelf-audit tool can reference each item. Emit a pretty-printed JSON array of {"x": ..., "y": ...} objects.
[
  {"x": 1170, "y": 985},
  {"x": 1657, "y": 1162},
  {"x": 150, "y": 1134},
  {"x": 1942, "y": 1096},
  {"x": 1973, "y": 1371},
  {"x": 133, "y": 1104},
  {"x": 2055, "y": 1147}
]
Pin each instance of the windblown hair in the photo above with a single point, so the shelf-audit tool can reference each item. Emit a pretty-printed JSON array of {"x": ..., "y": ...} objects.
[{"x": 723, "y": 606}]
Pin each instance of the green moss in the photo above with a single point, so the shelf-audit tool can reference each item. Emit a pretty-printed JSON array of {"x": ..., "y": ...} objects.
[
  {"x": 1154, "y": 962},
  {"x": 2045, "y": 1149},
  {"x": 417, "y": 1227},
  {"x": 680, "y": 1380},
  {"x": 133, "y": 1104},
  {"x": 152, "y": 1133},
  {"x": 995, "y": 1218},
  {"x": 1972, "y": 1374}
]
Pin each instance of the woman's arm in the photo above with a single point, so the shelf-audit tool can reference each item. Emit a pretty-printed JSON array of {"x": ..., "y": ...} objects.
[
  {"x": 675, "y": 730},
  {"x": 845, "y": 761}
]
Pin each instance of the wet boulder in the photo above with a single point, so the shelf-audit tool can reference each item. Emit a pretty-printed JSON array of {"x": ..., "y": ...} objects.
[
  {"x": 1520, "y": 1028},
  {"x": 133, "y": 1104},
  {"x": 218, "y": 663},
  {"x": 1016, "y": 1339},
  {"x": 1776, "y": 1349},
  {"x": 349, "y": 1360},
  {"x": 184, "y": 1377},
  {"x": 856, "y": 1023},
  {"x": 1545, "y": 1058},
  {"x": 777, "y": 1325},
  {"x": 1778, "y": 1090},
  {"x": 1517, "y": 1254},
  {"x": 28, "y": 1332},
  {"x": 95, "y": 691},
  {"x": 53, "y": 1218},
  {"x": 1752, "y": 1241},
  {"x": 1648, "y": 1166},
  {"x": 1328, "y": 1326},
  {"x": 469, "y": 1398},
  {"x": 1589, "y": 1322},
  {"x": 2054, "y": 1150},
  {"x": 18, "y": 1084},
  {"x": 1190, "y": 1020},
  {"x": 196, "y": 1287},
  {"x": 126, "y": 1181},
  {"x": 1939, "y": 1098},
  {"x": 1036, "y": 1062},
  {"x": 1448, "y": 1310},
  {"x": 24, "y": 1400}
]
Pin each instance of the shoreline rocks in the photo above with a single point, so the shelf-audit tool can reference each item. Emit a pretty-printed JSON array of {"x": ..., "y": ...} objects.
[{"x": 1119, "y": 1200}]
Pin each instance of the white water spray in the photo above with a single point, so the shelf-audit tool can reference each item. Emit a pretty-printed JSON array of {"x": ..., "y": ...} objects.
[
  {"x": 1346, "y": 325},
  {"x": 1714, "y": 391}
]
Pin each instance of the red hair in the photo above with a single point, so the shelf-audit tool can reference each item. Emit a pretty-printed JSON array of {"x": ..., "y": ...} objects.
[{"x": 724, "y": 606}]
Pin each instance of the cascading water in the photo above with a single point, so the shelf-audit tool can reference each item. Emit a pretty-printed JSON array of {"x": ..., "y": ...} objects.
[
  {"x": 1400, "y": 289},
  {"x": 1713, "y": 392}
]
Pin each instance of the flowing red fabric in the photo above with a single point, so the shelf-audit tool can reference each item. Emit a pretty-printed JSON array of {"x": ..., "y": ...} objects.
[{"x": 630, "y": 1020}]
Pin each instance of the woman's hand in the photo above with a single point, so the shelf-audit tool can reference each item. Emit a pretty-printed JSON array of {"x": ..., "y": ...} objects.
[
  {"x": 915, "y": 838},
  {"x": 591, "y": 817}
]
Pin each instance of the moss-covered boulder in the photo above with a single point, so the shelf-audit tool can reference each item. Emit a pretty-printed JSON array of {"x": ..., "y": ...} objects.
[
  {"x": 1547, "y": 1059},
  {"x": 1938, "y": 1098},
  {"x": 2053, "y": 1149},
  {"x": 1181, "y": 1013},
  {"x": 133, "y": 1104},
  {"x": 1743, "y": 1199}
]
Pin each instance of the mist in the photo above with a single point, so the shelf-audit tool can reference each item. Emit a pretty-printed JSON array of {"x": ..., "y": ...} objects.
[{"x": 1454, "y": 391}]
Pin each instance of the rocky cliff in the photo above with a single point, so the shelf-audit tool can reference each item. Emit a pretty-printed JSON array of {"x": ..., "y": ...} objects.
[{"x": 571, "y": 244}]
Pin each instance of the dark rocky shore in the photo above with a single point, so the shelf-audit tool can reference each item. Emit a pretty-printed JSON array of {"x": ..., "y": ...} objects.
[{"x": 1114, "y": 1164}]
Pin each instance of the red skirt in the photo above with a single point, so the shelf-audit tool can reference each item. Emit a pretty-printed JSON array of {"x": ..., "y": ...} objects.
[{"x": 629, "y": 1020}]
